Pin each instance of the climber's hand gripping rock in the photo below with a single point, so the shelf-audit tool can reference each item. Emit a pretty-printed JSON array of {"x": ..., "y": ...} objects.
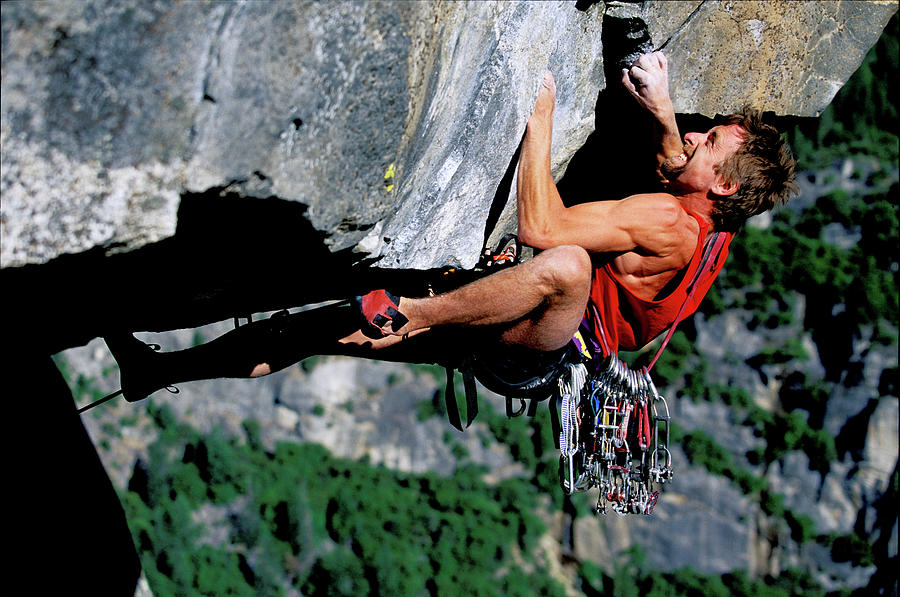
[{"x": 648, "y": 83}]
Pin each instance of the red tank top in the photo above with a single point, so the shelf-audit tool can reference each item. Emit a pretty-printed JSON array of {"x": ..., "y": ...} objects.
[{"x": 629, "y": 321}]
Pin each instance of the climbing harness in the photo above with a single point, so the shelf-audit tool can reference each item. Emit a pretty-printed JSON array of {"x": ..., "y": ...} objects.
[{"x": 614, "y": 424}]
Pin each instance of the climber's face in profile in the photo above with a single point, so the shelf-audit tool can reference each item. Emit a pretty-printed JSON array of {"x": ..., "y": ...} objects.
[{"x": 696, "y": 168}]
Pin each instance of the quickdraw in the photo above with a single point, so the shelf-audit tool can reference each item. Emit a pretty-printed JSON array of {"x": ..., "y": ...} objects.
[{"x": 614, "y": 437}]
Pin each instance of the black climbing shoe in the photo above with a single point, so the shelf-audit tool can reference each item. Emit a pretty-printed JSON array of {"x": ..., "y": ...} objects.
[{"x": 139, "y": 369}]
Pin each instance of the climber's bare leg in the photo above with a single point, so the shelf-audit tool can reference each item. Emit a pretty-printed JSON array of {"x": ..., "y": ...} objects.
[{"x": 540, "y": 302}]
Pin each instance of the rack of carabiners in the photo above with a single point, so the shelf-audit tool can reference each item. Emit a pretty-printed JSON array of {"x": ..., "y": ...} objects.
[{"x": 615, "y": 436}]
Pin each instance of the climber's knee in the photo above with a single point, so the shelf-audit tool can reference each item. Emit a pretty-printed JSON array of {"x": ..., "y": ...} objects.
[
  {"x": 566, "y": 272},
  {"x": 260, "y": 370}
]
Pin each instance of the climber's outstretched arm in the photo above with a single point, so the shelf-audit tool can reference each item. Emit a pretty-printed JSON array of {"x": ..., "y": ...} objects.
[{"x": 648, "y": 82}]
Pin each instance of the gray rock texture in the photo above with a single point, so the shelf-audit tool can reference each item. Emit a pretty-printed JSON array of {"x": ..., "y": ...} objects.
[{"x": 394, "y": 123}]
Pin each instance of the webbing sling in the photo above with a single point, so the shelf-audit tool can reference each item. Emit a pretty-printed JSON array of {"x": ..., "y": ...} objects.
[
  {"x": 708, "y": 264},
  {"x": 471, "y": 396}
]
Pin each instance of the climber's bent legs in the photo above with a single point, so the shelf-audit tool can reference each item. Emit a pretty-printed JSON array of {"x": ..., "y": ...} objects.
[{"x": 539, "y": 303}]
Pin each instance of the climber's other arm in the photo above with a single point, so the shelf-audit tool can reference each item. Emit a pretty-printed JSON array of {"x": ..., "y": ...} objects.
[{"x": 648, "y": 82}]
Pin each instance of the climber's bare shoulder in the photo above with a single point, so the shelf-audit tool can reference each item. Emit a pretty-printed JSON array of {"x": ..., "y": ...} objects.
[{"x": 646, "y": 224}]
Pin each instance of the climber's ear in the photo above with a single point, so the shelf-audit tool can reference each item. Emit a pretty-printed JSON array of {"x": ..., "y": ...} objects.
[{"x": 724, "y": 187}]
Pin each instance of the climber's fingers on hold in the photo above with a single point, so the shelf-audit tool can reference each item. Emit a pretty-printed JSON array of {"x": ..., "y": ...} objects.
[
  {"x": 663, "y": 61},
  {"x": 645, "y": 61},
  {"x": 639, "y": 75},
  {"x": 549, "y": 82},
  {"x": 626, "y": 81},
  {"x": 651, "y": 65},
  {"x": 652, "y": 61}
]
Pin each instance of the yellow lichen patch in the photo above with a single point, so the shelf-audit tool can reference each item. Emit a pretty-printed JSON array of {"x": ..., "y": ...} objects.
[{"x": 389, "y": 178}]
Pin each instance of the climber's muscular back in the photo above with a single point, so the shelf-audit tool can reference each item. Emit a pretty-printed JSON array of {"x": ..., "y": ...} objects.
[{"x": 672, "y": 238}]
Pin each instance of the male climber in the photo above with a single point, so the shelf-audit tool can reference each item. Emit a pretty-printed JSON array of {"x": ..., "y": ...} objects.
[{"x": 620, "y": 266}]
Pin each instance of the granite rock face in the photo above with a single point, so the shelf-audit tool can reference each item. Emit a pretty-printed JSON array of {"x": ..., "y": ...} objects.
[
  {"x": 786, "y": 57},
  {"x": 394, "y": 123}
]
